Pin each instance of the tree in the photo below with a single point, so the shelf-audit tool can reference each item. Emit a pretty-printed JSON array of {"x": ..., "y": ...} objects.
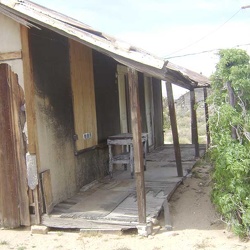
[{"x": 230, "y": 133}]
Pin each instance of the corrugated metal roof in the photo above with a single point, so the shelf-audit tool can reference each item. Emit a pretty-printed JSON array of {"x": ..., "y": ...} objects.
[{"x": 28, "y": 13}]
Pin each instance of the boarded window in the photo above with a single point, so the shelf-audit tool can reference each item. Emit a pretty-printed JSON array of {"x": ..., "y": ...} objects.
[{"x": 82, "y": 81}]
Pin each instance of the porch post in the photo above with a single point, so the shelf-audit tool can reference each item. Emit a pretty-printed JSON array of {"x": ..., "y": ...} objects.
[
  {"x": 194, "y": 130},
  {"x": 174, "y": 128},
  {"x": 137, "y": 133},
  {"x": 206, "y": 117},
  {"x": 29, "y": 94}
]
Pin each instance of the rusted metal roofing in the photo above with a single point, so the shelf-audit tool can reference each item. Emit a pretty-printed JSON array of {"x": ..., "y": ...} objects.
[{"x": 32, "y": 15}]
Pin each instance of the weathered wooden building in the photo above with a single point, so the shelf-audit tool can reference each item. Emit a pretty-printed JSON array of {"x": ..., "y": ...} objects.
[{"x": 68, "y": 93}]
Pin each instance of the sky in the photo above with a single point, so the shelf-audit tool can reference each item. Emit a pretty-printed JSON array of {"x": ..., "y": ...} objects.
[{"x": 172, "y": 29}]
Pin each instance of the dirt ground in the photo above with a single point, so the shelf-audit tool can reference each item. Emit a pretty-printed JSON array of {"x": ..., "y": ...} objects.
[{"x": 195, "y": 226}]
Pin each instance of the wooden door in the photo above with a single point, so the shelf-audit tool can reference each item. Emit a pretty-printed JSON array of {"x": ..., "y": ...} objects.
[{"x": 14, "y": 200}]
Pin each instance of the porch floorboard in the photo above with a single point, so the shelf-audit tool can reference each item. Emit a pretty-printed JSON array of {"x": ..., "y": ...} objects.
[{"x": 110, "y": 204}]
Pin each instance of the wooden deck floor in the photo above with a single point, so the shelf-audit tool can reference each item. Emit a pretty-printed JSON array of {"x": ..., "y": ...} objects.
[{"x": 110, "y": 204}]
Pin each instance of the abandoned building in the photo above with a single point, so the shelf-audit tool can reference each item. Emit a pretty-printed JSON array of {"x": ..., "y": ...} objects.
[{"x": 65, "y": 89}]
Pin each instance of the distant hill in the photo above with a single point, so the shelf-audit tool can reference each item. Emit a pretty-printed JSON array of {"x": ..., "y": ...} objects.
[{"x": 183, "y": 114}]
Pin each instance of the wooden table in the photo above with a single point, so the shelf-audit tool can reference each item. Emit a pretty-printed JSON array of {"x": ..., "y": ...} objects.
[{"x": 126, "y": 157}]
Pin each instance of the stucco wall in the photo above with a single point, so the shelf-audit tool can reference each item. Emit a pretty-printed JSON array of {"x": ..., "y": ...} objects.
[
  {"x": 55, "y": 118},
  {"x": 54, "y": 111},
  {"x": 10, "y": 41}
]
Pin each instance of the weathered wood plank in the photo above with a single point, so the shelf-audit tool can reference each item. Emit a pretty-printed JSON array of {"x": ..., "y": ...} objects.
[
  {"x": 10, "y": 56},
  {"x": 29, "y": 88},
  {"x": 138, "y": 151},
  {"x": 174, "y": 128},
  {"x": 47, "y": 191},
  {"x": 82, "y": 82},
  {"x": 57, "y": 222},
  {"x": 18, "y": 121},
  {"x": 194, "y": 128},
  {"x": 9, "y": 212}
]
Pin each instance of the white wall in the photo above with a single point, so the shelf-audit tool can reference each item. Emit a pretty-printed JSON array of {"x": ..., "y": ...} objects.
[{"x": 10, "y": 41}]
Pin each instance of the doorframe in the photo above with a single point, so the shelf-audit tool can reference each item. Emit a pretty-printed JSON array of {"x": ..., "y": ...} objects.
[{"x": 149, "y": 109}]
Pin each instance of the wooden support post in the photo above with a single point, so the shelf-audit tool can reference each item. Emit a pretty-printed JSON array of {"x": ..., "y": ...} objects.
[
  {"x": 194, "y": 129},
  {"x": 206, "y": 117},
  {"x": 29, "y": 88},
  {"x": 174, "y": 128},
  {"x": 137, "y": 141}
]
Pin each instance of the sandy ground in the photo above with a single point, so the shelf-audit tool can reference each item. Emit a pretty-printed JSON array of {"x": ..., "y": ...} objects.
[{"x": 195, "y": 226}]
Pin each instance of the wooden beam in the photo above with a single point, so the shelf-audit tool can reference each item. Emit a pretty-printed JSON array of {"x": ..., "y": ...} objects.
[
  {"x": 29, "y": 91},
  {"x": 137, "y": 142},
  {"x": 174, "y": 128},
  {"x": 29, "y": 94},
  {"x": 206, "y": 117},
  {"x": 10, "y": 56},
  {"x": 194, "y": 129}
]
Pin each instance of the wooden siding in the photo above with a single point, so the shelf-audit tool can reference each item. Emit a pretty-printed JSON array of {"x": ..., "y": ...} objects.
[
  {"x": 82, "y": 82},
  {"x": 14, "y": 202}
]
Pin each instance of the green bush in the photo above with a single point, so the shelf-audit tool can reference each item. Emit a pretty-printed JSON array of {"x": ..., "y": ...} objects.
[{"x": 230, "y": 155}]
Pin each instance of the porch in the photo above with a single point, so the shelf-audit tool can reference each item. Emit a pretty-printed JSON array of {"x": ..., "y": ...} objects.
[{"x": 111, "y": 204}]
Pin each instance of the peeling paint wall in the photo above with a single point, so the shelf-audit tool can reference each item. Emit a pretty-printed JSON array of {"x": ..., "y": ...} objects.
[
  {"x": 10, "y": 41},
  {"x": 54, "y": 111},
  {"x": 55, "y": 121}
]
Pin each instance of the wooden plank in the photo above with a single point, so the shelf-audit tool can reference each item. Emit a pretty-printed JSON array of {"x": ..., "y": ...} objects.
[
  {"x": 206, "y": 117},
  {"x": 57, "y": 222},
  {"x": 29, "y": 88},
  {"x": 18, "y": 117},
  {"x": 194, "y": 128},
  {"x": 47, "y": 191},
  {"x": 82, "y": 82},
  {"x": 10, "y": 56},
  {"x": 137, "y": 142},
  {"x": 174, "y": 128},
  {"x": 29, "y": 91},
  {"x": 9, "y": 212}
]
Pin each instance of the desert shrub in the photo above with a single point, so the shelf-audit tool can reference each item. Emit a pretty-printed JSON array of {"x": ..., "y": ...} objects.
[{"x": 230, "y": 127}]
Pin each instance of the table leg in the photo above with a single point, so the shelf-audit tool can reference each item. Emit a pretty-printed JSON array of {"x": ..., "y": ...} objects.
[
  {"x": 131, "y": 160},
  {"x": 144, "y": 153},
  {"x": 110, "y": 162}
]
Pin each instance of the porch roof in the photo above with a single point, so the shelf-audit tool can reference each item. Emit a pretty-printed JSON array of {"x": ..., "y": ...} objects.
[{"x": 30, "y": 14}]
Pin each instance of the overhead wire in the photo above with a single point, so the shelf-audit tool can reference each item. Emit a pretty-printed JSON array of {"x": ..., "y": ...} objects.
[
  {"x": 215, "y": 30},
  {"x": 205, "y": 51}
]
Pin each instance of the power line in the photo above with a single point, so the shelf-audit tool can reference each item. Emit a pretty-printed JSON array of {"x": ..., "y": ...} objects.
[
  {"x": 191, "y": 44},
  {"x": 205, "y": 51}
]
